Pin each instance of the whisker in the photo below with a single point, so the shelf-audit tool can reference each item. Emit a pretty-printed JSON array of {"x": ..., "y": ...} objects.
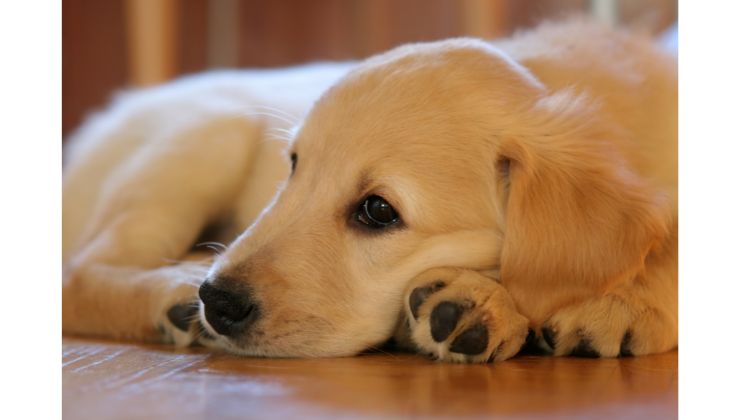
[
  {"x": 214, "y": 243},
  {"x": 267, "y": 114},
  {"x": 217, "y": 247},
  {"x": 273, "y": 134},
  {"x": 215, "y": 250},
  {"x": 284, "y": 131},
  {"x": 380, "y": 350},
  {"x": 282, "y": 112}
]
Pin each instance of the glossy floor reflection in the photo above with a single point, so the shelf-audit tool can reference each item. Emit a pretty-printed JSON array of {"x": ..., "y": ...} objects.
[{"x": 121, "y": 380}]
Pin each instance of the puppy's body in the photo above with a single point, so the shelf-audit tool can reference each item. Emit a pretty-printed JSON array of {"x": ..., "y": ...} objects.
[
  {"x": 264, "y": 102},
  {"x": 535, "y": 184},
  {"x": 635, "y": 91}
]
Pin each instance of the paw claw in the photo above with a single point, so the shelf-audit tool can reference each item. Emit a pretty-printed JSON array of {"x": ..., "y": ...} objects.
[
  {"x": 472, "y": 341},
  {"x": 443, "y": 320}
]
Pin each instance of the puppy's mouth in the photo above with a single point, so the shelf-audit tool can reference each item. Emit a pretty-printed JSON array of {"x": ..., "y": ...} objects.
[{"x": 239, "y": 343}]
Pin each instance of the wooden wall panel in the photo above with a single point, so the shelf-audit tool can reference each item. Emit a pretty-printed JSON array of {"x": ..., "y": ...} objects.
[
  {"x": 270, "y": 33},
  {"x": 192, "y": 33},
  {"x": 384, "y": 24},
  {"x": 278, "y": 33},
  {"x": 94, "y": 59},
  {"x": 153, "y": 39}
]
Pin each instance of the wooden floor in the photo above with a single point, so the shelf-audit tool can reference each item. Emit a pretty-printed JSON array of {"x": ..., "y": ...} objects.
[{"x": 103, "y": 380}]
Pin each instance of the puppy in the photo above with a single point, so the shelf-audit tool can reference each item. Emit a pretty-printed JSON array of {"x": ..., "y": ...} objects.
[{"x": 462, "y": 196}]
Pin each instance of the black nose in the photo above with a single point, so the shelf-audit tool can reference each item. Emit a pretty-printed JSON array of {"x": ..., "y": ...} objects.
[{"x": 229, "y": 313}]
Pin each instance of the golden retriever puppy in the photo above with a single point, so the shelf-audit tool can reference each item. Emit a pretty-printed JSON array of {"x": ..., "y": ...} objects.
[{"x": 465, "y": 197}]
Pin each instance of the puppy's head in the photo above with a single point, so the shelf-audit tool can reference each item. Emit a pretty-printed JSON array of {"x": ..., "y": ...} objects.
[{"x": 430, "y": 155}]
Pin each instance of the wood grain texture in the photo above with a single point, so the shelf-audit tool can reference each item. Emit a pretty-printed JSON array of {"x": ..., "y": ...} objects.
[{"x": 109, "y": 380}]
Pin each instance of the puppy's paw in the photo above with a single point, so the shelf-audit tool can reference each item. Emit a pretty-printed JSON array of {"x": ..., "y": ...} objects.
[
  {"x": 178, "y": 320},
  {"x": 181, "y": 324},
  {"x": 461, "y": 316},
  {"x": 608, "y": 326}
]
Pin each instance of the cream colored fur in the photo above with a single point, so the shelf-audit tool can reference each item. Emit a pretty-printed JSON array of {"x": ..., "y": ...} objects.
[{"x": 536, "y": 177}]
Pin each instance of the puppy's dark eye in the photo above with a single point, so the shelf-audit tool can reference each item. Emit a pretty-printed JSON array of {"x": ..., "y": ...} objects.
[
  {"x": 293, "y": 162},
  {"x": 376, "y": 213}
]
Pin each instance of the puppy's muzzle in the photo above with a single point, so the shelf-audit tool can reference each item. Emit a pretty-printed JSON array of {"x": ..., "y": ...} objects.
[{"x": 229, "y": 312}]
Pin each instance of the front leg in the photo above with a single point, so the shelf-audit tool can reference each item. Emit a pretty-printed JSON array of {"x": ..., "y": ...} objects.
[
  {"x": 616, "y": 324},
  {"x": 610, "y": 326},
  {"x": 131, "y": 303},
  {"x": 633, "y": 318},
  {"x": 121, "y": 282},
  {"x": 462, "y": 316}
]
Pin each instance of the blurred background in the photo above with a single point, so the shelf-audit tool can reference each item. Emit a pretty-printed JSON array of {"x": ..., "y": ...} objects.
[{"x": 109, "y": 45}]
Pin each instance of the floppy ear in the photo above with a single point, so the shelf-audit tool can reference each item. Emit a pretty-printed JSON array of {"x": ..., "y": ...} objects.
[{"x": 576, "y": 212}]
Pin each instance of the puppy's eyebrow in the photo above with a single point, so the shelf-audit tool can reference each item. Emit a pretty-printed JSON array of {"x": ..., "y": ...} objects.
[
  {"x": 361, "y": 190},
  {"x": 374, "y": 183},
  {"x": 368, "y": 183},
  {"x": 364, "y": 183}
]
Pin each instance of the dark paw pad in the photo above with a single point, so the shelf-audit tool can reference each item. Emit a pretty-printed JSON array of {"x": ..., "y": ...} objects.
[
  {"x": 532, "y": 346},
  {"x": 472, "y": 341},
  {"x": 444, "y": 319},
  {"x": 182, "y": 315},
  {"x": 584, "y": 349},
  {"x": 550, "y": 336},
  {"x": 625, "y": 348},
  {"x": 420, "y": 295}
]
